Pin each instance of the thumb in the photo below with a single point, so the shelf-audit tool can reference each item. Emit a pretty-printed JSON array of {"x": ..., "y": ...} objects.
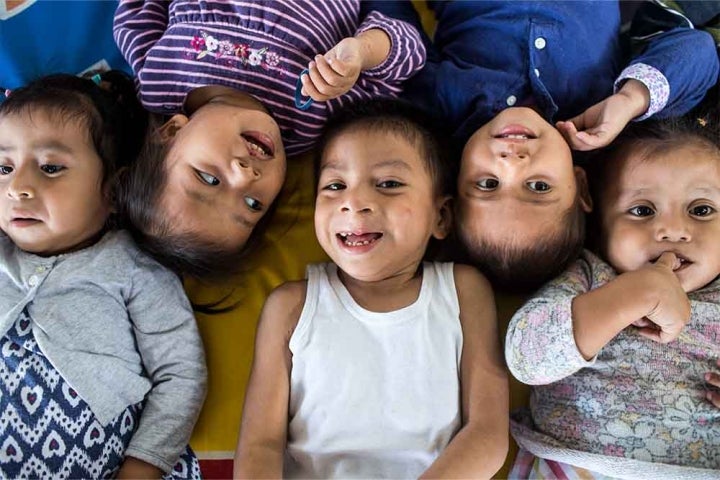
[{"x": 668, "y": 260}]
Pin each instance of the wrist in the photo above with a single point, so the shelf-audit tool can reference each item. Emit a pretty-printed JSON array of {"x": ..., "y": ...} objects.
[
  {"x": 637, "y": 95},
  {"x": 375, "y": 47}
]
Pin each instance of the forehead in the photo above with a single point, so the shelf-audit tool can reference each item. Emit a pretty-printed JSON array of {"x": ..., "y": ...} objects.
[{"x": 369, "y": 147}]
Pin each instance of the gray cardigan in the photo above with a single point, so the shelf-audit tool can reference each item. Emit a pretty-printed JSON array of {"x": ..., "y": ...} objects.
[{"x": 119, "y": 329}]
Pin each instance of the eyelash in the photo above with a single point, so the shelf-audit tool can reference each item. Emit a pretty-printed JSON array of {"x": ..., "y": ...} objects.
[{"x": 7, "y": 170}]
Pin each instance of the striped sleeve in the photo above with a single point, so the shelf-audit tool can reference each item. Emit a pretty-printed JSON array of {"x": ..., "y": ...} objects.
[
  {"x": 138, "y": 25},
  {"x": 407, "y": 52}
]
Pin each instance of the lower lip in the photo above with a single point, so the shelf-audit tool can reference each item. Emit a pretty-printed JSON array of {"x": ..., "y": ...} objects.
[
  {"x": 21, "y": 223},
  {"x": 359, "y": 249}
]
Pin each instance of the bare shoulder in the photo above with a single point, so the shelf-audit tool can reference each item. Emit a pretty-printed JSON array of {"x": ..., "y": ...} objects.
[
  {"x": 284, "y": 305},
  {"x": 469, "y": 283}
]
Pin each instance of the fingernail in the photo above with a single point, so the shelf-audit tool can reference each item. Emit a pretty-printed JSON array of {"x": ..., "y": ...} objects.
[
  {"x": 312, "y": 64},
  {"x": 708, "y": 395},
  {"x": 707, "y": 377}
]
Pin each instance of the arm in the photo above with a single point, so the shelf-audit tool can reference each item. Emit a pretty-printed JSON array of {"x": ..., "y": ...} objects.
[
  {"x": 383, "y": 49},
  {"x": 661, "y": 79},
  {"x": 138, "y": 25},
  {"x": 263, "y": 430},
  {"x": 568, "y": 322},
  {"x": 479, "y": 448},
  {"x": 169, "y": 343}
]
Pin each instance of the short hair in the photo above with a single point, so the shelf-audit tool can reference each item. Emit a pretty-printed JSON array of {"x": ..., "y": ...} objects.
[
  {"x": 185, "y": 253},
  {"x": 109, "y": 109},
  {"x": 400, "y": 118},
  {"x": 518, "y": 268}
]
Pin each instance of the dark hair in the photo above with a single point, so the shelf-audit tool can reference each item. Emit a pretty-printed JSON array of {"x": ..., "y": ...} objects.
[
  {"x": 408, "y": 122},
  {"x": 185, "y": 253},
  {"x": 115, "y": 120},
  {"x": 521, "y": 269}
]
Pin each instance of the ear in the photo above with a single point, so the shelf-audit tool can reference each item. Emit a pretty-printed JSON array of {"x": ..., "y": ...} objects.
[
  {"x": 444, "y": 219},
  {"x": 169, "y": 129},
  {"x": 583, "y": 190}
]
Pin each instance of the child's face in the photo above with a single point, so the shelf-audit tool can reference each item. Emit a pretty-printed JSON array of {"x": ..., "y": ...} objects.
[
  {"x": 224, "y": 170},
  {"x": 51, "y": 194},
  {"x": 376, "y": 207},
  {"x": 516, "y": 179},
  {"x": 668, "y": 203}
]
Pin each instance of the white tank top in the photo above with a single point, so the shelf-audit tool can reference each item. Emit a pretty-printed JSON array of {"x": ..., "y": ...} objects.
[{"x": 373, "y": 395}]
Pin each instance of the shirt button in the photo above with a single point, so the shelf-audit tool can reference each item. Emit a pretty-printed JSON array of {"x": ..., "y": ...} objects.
[
  {"x": 540, "y": 43},
  {"x": 33, "y": 280},
  {"x": 537, "y": 73},
  {"x": 511, "y": 100},
  {"x": 40, "y": 269}
]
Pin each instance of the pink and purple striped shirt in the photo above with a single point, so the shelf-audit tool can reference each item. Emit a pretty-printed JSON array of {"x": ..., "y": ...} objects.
[{"x": 257, "y": 47}]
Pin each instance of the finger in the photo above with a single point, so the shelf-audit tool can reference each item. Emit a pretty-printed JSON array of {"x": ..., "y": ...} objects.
[
  {"x": 327, "y": 73},
  {"x": 592, "y": 139},
  {"x": 569, "y": 133},
  {"x": 669, "y": 260},
  {"x": 713, "y": 398},
  {"x": 310, "y": 90},
  {"x": 339, "y": 66},
  {"x": 321, "y": 86},
  {"x": 712, "y": 379}
]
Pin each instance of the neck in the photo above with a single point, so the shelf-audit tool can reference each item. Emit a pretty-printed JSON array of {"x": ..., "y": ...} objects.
[{"x": 388, "y": 294}]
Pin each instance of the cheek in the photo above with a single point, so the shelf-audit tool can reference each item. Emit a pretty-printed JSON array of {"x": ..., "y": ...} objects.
[{"x": 625, "y": 247}]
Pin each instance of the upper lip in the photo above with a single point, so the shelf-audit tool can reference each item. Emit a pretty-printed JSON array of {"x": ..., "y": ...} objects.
[
  {"x": 261, "y": 140},
  {"x": 22, "y": 215}
]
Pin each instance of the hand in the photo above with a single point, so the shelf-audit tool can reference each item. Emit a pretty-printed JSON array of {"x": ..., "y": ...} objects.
[
  {"x": 133, "y": 468},
  {"x": 334, "y": 73},
  {"x": 671, "y": 311},
  {"x": 599, "y": 125},
  {"x": 714, "y": 380}
]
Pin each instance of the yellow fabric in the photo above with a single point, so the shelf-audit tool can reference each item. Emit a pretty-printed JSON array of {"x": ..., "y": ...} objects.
[{"x": 229, "y": 337}]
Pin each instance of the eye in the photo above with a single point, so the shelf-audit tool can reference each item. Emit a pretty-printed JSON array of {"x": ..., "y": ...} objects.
[
  {"x": 335, "y": 186},
  {"x": 52, "y": 169},
  {"x": 207, "y": 178},
  {"x": 487, "y": 184},
  {"x": 5, "y": 170},
  {"x": 538, "y": 186},
  {"x": 702, "y": 211},
  {"x": 254, "y": 205},
  {"x": 390, "y": 184},
  {"x": 641, "y": 211}
]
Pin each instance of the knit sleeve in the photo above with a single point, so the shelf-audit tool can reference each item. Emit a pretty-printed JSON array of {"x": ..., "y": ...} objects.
[
  {"x": 407, "y": 52},
  {"x": 169, "y": 343},
  {"x": 540, "y": 346},
  {"x": 137, "y": 26}
]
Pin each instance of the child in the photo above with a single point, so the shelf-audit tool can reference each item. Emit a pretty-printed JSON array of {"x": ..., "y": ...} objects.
[
  {"x": 500, "y": 71},
  {"x": 102, "y": 369},
  {"x": 620, "y": 354},
  {"x": 230, "y": 74},
  {"x": 378, "y": 365}
]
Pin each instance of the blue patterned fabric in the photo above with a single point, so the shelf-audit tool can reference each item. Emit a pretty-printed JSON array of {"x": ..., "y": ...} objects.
[{"x": 47, "y": 430}]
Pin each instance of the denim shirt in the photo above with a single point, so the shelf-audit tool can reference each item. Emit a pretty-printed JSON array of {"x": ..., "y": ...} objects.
[
  {"x": 562, "y": 56},
  {"x": 119, "y": 329}
]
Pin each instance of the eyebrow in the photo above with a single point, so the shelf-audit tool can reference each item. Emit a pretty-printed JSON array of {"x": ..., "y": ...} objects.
[
  {"x": 391, "y": 163},
  {"x": 51, "y": 145},
  {"x": 206, "y": 200}
]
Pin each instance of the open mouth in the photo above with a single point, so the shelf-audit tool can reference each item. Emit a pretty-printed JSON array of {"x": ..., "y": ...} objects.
[
  {"x": 259, "y": 144},
  {"x": 358, "y": 239},
  {"x": 684, "y": 262},
  {"x": 515, "y": 132}
]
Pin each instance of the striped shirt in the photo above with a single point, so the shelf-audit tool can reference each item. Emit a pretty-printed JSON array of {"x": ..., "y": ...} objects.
[{"x": 259, "y": 48}]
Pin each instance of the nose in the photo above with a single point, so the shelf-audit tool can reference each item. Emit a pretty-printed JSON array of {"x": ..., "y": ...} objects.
[
  {"x": 673, "y": 228},
  {"x": 21, "y": 186},
  {"x": 245, "y": 171},
  {"x": 357, "y": 201},
  {"x": 513, "y": 151}
]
